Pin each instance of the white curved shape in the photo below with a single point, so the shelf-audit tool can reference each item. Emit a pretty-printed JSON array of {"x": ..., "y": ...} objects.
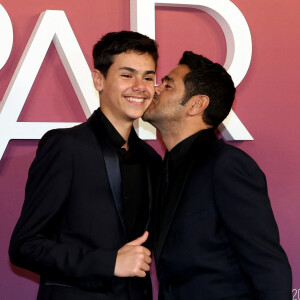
[
  {"x": 238, "y": 41},
  {"x": 6, "y": 36},
  {"x": 52, "y": 25}
]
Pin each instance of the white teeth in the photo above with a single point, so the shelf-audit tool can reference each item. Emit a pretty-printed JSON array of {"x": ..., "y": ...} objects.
[{"x": 135, "y": 99}]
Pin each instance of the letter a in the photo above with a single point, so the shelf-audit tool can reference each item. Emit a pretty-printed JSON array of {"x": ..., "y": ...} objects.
[{"x": 51, "y": 26}]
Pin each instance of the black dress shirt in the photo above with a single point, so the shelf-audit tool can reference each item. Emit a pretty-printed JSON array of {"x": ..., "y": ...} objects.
[{"x": 134, "y": 182}]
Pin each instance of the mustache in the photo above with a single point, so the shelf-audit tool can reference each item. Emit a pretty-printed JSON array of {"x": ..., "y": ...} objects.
[
  {"x": 155, "y": 96},
  {"x": 144, "y": 94}
]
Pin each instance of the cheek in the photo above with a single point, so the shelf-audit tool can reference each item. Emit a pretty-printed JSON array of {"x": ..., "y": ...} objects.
[
  {"x": 150, "y": 89},
  {"x": 148, "y": 105},
  {"x": 118, "y": 85},
  {"x": 110, "y": 87}
]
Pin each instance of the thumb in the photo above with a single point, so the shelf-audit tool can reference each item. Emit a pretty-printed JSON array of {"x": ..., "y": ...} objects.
[{"x": 140, "y": 240}]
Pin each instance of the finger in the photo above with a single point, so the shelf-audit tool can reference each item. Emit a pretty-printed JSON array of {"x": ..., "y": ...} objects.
[
  {"x": 140, "y": 273},
  {"x": 148, "y": 260},
  {"x": 146, "y": 251},
  {"x": 145, "y": 267},
  {"x": 140, "y": 240}
]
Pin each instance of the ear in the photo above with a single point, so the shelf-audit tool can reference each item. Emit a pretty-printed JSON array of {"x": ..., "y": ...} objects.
[
  {"x": 198, "y": 104},
  {"x": 98, "y": 79}
]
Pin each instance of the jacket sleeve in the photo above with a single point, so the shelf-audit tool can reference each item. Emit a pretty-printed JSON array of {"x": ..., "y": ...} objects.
[
  {"x": 34, "y": 244},
  {"x": 245, "y": 209}
]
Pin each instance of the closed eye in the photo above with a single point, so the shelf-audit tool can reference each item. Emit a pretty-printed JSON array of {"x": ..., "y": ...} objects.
[{"x": 166, "y": 80}]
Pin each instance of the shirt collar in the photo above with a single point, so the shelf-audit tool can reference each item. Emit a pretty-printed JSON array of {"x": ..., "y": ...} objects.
[
  {"x": 183, "y": 149},
  {"x": 113, "y": 134}
]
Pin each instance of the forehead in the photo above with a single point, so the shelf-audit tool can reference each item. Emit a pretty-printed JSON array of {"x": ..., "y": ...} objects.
[
  {"x": 135, "y": 60},
  {"x": 178, "y": 73}
]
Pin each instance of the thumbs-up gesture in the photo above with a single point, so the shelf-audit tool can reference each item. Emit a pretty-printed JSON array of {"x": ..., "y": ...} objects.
[{"x": 133, "y": 259}]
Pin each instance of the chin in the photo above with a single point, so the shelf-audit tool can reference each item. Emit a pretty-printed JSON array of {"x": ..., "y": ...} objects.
[{"x": 135, "y": 116}]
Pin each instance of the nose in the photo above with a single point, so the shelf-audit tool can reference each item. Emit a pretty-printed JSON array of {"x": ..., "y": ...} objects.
[
  {"x": 157, "y": 89},
  {"x": 139, "y": 85}
]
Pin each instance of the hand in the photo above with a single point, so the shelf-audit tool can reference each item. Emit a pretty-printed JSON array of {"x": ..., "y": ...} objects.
[{"x": 133, "y": 259}]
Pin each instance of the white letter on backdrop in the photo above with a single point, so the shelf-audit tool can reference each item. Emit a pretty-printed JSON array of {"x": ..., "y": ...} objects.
[
  {"x": 238, "y": 40},
  {"x": 6, "y": 36},
  {"x": 51, "y": 25}
]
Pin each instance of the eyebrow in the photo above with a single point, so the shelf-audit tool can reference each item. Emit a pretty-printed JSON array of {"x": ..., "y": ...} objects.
[
  {"x": 167, "y": 78},
  {"x": 135, "y": 71}
]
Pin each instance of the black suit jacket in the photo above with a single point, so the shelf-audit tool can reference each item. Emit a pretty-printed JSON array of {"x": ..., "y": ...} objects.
[
  {"x": 219, "y": 238},
  {"x": 72, "y": 222}
]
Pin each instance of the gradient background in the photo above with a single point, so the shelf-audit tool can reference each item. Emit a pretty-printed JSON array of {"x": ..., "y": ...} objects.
[{"x": 267, "y": 101}]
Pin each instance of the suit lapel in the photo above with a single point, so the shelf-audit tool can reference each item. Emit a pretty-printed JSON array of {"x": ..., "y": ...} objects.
[
  {"x": 134, "y": 138},
  {"x": 199, "y": 151},
  {"x": 114, "y": 175},
  {"x": 111, "y": 161},
  {"x": 178, "y": 186}
]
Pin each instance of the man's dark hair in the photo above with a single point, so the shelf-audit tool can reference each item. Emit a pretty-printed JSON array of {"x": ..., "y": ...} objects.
[
  {"x": 210, "y": 79},
  {"x": 114, "y": 43}
]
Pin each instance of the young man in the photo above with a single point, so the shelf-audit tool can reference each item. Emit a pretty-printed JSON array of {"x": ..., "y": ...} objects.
[
  {"x": 216, "y": 237},
  {"x": 89, "y": 188}
]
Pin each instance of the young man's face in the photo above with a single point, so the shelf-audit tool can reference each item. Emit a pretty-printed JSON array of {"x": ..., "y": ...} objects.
[
  {"x": 128, "y": 88},
  {"x": 166, "y": 107}
]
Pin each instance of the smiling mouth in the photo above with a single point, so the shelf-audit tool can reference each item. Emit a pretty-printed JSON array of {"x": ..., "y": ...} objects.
[{"x": 137, "y": 100}]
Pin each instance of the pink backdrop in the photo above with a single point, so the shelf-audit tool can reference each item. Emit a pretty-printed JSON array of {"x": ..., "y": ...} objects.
[{"x": 267, "y": 101}]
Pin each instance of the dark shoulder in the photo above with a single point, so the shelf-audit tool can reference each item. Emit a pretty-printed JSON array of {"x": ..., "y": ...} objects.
[
  {"x": 66, "y": 137},
  {"x": 229, "y": 157},
  {"x": 220, "y": 147}
]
